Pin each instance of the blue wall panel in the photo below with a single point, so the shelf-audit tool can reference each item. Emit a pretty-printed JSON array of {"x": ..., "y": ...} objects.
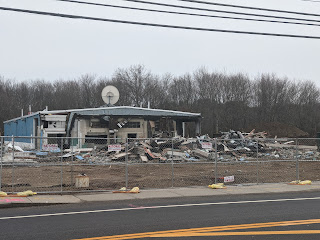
[{"x": 20, "y": 127}]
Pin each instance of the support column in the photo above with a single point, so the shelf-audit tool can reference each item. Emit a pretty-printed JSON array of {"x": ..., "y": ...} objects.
[
  {"x": 198, "y": 127},
  {"x": 183, "y": 129},
  {"x": 179, "y": 127}
]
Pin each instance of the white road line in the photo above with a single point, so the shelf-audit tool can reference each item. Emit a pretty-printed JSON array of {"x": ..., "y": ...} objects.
[{"x": 157, "y": 207}]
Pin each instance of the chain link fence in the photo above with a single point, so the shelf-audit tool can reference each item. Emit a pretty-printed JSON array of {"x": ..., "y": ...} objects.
[{"x": 59, "y": 164}]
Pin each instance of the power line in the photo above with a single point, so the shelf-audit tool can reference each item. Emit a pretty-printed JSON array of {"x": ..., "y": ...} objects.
[
  {"x": 252, "y": 8},
  {"x": 188, "y": 14},
  {"x": 311, "y": 1},
  {"x": 221, "y": 11},
  {"x": 155, "y": 25}
]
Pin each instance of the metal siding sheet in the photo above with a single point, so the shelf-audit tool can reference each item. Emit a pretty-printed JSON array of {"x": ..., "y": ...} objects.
[
  {"x": 8, "y": 131},
  {"x": 29, "y": 123},
  {"x": 20, "y": 127}
]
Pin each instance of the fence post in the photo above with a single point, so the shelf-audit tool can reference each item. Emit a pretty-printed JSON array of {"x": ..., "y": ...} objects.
[
  {"x": 127, "y": 142},
  {"x": 61, "y": 163},
  {"x": 257, "y": 162},
  {"x": 72, "y": 156},
  {"x": 215, "y": 160},
  {"x": 172, "y": 169},
  {"x": 2, "y": 140},
  {"x": 297, "y": 161},
  {"x": 12, "y": 176}
]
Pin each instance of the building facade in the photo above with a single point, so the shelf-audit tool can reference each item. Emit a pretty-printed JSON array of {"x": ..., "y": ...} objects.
[{"x": 92, "y": 126}]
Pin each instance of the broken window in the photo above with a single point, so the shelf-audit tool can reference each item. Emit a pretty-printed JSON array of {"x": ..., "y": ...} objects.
[
  {"x": 132, "y": 125},
  {"x": 97, "y": 123},
  {"x": 52, "y": 138},
  {"x": 96, "y": 139},
  {"x": 132, "y": 135},
  {"x": 53, "y": 124}
]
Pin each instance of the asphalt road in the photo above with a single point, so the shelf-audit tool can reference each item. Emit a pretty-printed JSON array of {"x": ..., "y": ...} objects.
[{"x": 268, "y": 216}]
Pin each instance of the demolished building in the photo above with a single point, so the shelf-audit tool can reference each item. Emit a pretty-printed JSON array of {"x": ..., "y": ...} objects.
[{"x": 83, "y": 127}]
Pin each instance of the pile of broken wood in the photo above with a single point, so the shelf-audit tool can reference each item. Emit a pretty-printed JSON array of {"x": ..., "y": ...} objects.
[
  {"x": 233, "y": 143},
  {"x": 160, "y": 150}
]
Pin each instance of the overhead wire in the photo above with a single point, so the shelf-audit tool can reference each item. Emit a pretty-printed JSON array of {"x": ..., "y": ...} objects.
[
  {"x": 251, "y": 8},
  {"x": 311, "y": 1},
  {"x": 154, "y": 24},
  {"x": 188, "y": 14},
  {"x": 220, "y": 11}
]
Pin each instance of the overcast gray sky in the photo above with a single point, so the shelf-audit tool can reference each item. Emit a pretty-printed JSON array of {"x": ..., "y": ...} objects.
[{"x": 51, "y": 48}]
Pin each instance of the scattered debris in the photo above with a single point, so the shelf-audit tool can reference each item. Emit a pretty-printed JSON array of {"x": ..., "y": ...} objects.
[
  {"x": 231, "y": 146},
  {"x": 79, "y": 150},
  {"x": 16, "y": 148},
  {"x": 42, "y": 153},
  {"x": 79, "y": 157},
  {"x": 289, "y": 142},
  {"x": 82, "y": 181}
]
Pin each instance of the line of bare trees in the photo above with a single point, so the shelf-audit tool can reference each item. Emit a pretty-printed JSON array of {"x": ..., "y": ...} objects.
[{"x": 226, "y": 101}]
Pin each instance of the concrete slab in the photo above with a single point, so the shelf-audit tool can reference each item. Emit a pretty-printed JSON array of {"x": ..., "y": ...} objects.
[
  {"x": 273, "y": 190},
  {"x": 54, "y": 199},
  {"x": 159, "y": 193},
  {"x": 164, "y": 193},
  {"x": 313, "y": 187},
  {"x": 191, "y": 192},
  {"x": 105, "y": 197},
  {"x": 233, "y": 190},
  {"x": 316, "y": 183},
  {"x": 296, "y": 188},
  {"x": 284, "y": 187},
  {"x": 13, "y": 200}
]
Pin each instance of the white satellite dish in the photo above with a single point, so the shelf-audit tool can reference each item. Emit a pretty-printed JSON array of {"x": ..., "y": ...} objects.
[{"x": 110, "y": 95}]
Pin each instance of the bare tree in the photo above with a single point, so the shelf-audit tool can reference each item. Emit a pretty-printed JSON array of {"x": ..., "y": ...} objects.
[{"x": 224, "y": 100}]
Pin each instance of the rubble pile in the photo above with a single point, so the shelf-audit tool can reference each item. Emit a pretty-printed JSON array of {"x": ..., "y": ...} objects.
[
  {"x": 159, "y": 150},
  {"x": 240, "y": 145},
  {"x": 231, "y": 146},
  {"x": 252, "y": 146},
  {"x": 151, "y": 151}
]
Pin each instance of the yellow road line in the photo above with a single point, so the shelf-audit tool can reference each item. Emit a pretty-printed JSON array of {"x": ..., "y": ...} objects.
[
  {"x": 293, "y": 232},
  {"x": 207, "y": 229}
]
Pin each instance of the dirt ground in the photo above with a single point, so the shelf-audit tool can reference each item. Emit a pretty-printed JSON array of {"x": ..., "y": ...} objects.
[{"x": 50, "y": 178}]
